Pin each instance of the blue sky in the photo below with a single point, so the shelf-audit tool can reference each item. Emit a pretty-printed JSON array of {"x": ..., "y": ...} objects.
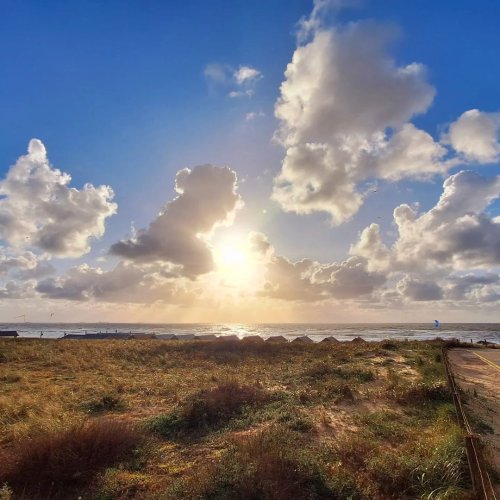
[{"x": 117, "y": 93}]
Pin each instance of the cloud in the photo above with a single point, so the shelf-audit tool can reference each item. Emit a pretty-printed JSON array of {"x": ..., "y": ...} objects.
[
  {"x": 455, "y": 234},
  {"x": 456, "y": 231},
  {"x": 310, "y": 281},
  {"x": 38, "y": 208},
  {"x": 18, "y": 290},
  {"x": 447, "y": 253},
  {"x": 246, "y": 74},
  {"x": 217, "y": 73},
  {"x": 349, "y": 279},
  {"x": 125, "y": 283},
  {"x": 25, "y": 266},
  {"x": 470, "y": 286},
  {"x": 312, "y": 23},
  {"x": 241, "y": 93},
  {"x": 419, "y": 291},
  {"x": 238, "y": 82},
  {"x": 253, "y": 115},
  {"x": 476, "y": 135},
  {"x": 344, "y": 112},
  {"x": 207, "y": 198},
  {"x": 28, "y": 260}
]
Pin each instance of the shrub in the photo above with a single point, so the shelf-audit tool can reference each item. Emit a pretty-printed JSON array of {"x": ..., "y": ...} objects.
[
  {"x": 387, "y": 344},
  {"x": 53, "y": 464},
  {"x": 209, "y": 408},
  {"x": 420, "y": 392}
]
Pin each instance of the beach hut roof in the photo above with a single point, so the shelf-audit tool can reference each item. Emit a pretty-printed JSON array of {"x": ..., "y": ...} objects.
[
  {"x": 166, "y": 336},
  {"x": 329, "y": 339},
  {"x": 277, "y": 338},
  {"x": 225, "y": 338},
  {"x": 142, "y": 336},
  {"x": 305, "y": 339},
  {"x": 252, "y": 338},
  {"x": 358, "y": 339}
]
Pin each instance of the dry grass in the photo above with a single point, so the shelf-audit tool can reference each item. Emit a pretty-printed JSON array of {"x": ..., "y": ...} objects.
[
  {"x": 216, "y": 409},
  {"x": 270, "y": 464},
  {"x": 52, "y": 465}
]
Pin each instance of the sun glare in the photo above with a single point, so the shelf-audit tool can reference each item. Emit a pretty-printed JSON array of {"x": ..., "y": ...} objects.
[
  {"x": 235, "y": 263},
  {"x": 232, "y": 256}
]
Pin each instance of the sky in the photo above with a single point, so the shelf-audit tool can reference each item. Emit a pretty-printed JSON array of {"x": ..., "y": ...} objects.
[{"x": 265, "y": 161}]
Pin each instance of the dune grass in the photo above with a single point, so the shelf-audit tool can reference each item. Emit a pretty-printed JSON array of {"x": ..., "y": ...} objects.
[{"x": 209, "y": 419}]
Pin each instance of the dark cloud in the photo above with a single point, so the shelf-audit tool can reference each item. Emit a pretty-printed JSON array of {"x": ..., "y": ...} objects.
[{"x": 207, "y": 198}]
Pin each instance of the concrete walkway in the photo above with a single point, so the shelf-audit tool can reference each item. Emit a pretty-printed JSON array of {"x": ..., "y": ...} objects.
[{"x": 477, "y": 372}]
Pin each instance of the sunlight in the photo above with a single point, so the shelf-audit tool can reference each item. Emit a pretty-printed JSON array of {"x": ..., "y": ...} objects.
[
  {"x": 235, "y": 264},
  {"x": 232, "y": 256}
]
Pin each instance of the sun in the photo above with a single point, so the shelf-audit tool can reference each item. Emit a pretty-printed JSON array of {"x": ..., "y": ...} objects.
[
  {"x": 235, "y": 263},
  {"x": 231, "y": 253}
]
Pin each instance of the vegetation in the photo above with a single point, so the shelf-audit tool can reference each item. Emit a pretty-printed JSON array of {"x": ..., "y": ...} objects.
[
  {"x": 211, "y": 419},
  {"x": 50, "y": 465}
]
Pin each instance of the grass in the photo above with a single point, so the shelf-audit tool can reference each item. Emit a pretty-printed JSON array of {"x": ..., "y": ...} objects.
[
  {"x": 209, "y": 409},
  {"x": 229, "y": 420},
  {"x": 51, "y": 465},
  {"x": 275, "y": 463},
  {"x": 106, "y": 403}
]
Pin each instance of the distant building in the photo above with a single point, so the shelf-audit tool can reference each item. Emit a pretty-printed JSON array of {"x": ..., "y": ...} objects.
[
  {"x": 304, "y": 339},
  {"x": 227, "y": 338},
  {"x": 185, "y": 336},
  {"x": 252, "y": 338},
  {"x": 206, "y": 337},
  {"x": 277, "y": 338},
  {"x": 142, "y": 336},
  {"x": 166, "y": 336},
  {"x": 330, "y": 339},
  {"x": 9, "y": 333}
]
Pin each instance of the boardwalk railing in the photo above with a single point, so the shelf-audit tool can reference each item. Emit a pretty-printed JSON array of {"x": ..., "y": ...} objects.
[{"x": 481, "y": 481}]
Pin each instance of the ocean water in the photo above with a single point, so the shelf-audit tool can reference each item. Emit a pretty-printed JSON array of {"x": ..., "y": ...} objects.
[{"x": 371, "y": 332}]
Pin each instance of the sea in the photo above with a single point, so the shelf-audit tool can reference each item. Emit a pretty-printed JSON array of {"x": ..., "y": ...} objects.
[{"x": 465, "y": 332}]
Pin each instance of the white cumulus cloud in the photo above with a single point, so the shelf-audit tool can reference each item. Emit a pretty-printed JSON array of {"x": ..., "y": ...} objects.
[
  {"x": 38, "y": 208},
  {"x": 344, "y": 114},
  {"x": 476, "y": 135}
]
